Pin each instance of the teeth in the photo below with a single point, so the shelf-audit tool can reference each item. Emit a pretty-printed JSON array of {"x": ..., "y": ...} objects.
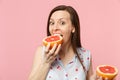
[
  {"x": 56, "y": 34},
  {"x": 59, "y": 34}
]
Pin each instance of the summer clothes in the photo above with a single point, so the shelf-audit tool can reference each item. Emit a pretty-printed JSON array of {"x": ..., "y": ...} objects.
[{"x": 73, "y": 70}]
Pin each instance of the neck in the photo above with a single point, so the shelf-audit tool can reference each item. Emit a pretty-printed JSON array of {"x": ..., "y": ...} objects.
[
  {"x": 66, "y": 53},
  {"x": 66, "y": 49}
]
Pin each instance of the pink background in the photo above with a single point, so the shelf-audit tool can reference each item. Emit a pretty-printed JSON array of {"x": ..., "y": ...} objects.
[{"x": 23, "y": 26}]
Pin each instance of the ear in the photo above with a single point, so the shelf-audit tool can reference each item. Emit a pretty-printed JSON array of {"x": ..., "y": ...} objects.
[{"x": 73, "y": 30}]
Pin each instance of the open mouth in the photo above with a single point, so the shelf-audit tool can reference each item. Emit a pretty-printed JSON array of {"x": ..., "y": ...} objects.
[{"x": 59, "y": 34}]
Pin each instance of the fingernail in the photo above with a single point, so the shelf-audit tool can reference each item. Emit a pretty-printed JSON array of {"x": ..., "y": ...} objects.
[
  {"x": 97, "y": 76},
  {"x": 49, "y": 44},
  {"x": 106, "y": 78},
  {"x": 100, "y": 77},
  {"x": 55, "y": 44}
]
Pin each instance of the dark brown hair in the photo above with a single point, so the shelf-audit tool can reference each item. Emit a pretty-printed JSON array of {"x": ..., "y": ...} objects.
[{"x": 75, "y": 40}]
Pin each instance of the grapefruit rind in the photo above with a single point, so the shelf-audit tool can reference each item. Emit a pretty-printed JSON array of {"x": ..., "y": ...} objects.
[
  {"x": 106, "y": 75},
  {"x": 60, "y": 41}
]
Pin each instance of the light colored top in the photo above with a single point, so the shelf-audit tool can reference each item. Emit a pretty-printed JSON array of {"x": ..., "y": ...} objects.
[{"x": 73, "y": 70}]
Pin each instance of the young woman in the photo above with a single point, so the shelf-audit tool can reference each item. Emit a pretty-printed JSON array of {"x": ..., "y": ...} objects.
[{"x": 67, "y": 61}]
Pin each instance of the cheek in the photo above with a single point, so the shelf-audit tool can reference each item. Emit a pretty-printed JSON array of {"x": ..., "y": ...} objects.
[
  {"x": 50, "y": 30},
  {"x": 67, "y": 34},
  {"x": 68, "y": 31}
]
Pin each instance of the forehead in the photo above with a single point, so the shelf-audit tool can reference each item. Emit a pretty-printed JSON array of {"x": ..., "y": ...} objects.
[{"x": 60, "y": 14}]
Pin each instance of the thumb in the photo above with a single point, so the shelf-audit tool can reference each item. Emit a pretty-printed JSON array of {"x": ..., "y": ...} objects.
[{"x": 93, "y": 77}]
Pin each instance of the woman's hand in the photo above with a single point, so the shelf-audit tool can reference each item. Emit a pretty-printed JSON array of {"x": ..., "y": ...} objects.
[
  {"x": 96, "y": 77},
  {"x": 50, "y": 55},
  {"x": 43, "y": 61},
  {"x": 100, "y": 78}
]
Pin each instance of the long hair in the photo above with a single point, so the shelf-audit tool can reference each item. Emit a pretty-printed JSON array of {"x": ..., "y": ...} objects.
[{"x": 75, "y": 39}]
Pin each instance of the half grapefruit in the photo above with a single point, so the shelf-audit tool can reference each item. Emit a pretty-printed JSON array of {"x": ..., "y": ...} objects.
[
  {"x": 107, "y": 71},
  {"x": 52, "y": 40}
]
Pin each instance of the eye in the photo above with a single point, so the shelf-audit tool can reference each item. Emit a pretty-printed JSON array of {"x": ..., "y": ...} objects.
[
  {"x": 51, "y": 23},
  {"x": 62, "y": 22}
]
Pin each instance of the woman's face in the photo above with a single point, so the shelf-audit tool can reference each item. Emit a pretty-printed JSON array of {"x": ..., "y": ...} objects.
[{"x": 60, "y": 23}]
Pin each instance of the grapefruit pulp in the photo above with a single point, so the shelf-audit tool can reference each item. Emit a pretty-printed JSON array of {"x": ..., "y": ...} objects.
[
  {"x": 52, "y": 40},
  {"x": 107, "y": 71}
]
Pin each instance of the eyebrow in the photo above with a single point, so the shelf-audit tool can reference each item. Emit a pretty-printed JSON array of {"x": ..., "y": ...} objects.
[{"x": 58, "y": 19}]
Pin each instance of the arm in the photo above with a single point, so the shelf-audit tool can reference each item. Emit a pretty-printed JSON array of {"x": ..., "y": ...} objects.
[
  {"x": 39, "y": 69},
  {"x": 43, "y": 61},
  {"x": 90, "y": 72}
]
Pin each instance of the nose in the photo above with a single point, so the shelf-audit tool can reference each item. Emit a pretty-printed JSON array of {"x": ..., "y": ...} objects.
[{"x": 56, "y": 26}]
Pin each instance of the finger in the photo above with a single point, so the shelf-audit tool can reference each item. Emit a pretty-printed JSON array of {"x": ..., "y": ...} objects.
[
  {"x": 51, "y": 52},
  {"x": 53, "y": 49},
  {"x": 93, "y": 76},
  {"x": 100, "y": 78},
  {"x": 97, "y": 77},
  {"x": 57, "y": 50},
  {"x": 106, "y": 78},
  {"x": 52, "y": 59},
  {"x": 47, "y": 48}
]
